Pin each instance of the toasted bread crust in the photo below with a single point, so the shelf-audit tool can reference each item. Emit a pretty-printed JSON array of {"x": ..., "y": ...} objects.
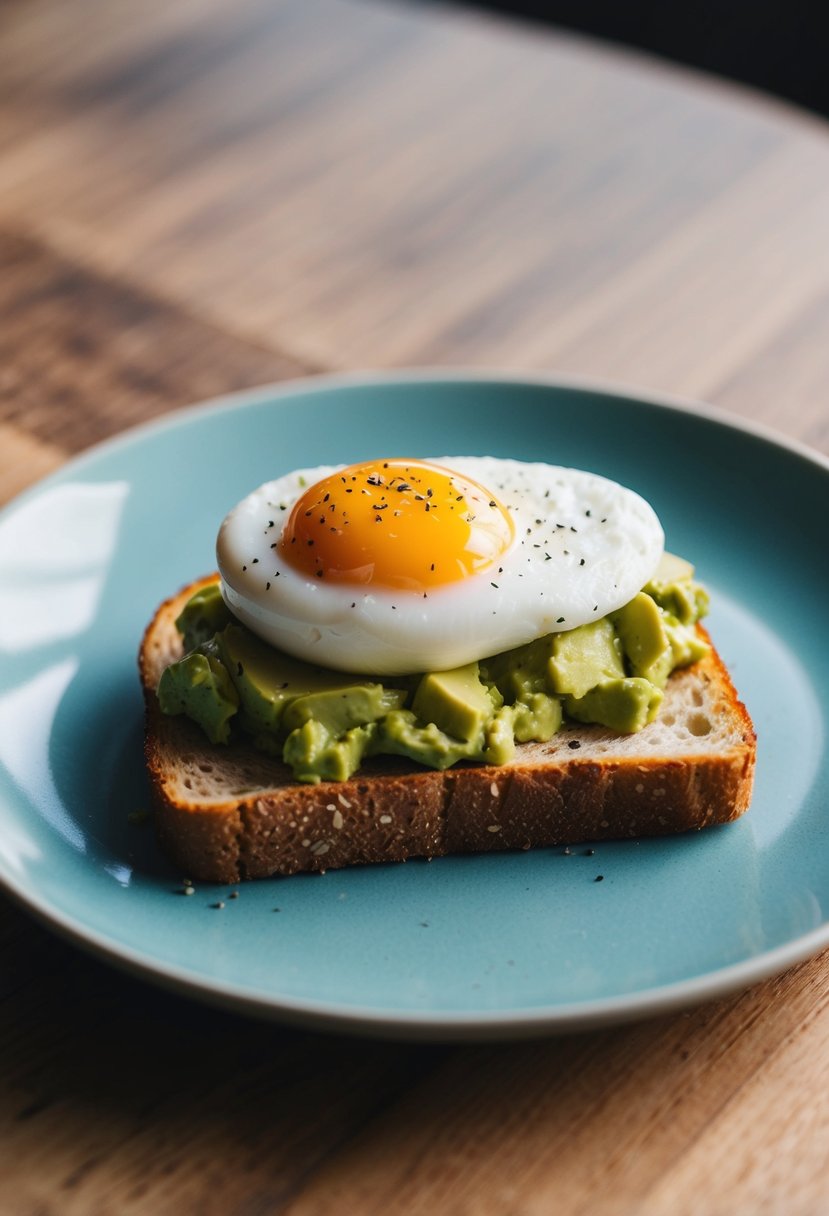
[{"x": 229, "y": 813}]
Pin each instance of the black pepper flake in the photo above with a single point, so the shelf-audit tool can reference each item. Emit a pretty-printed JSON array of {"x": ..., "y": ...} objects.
[
  {"x": 493, "y": 503},
  {"x": 574, "y": 743},
  {"x": 432, "y": 566},
  {"x": 270, "y": 523},
  {"x": 581, "y": 561},
  {"x": 403, "y": 487},
  {"x": 599, "y": 878},
  {"x": 587, "y": 513},
  {"x": 603, "y": 521},
  {"x": 595, "y": 607},
  {"x": 268, "y": 586},
  {"x": 353, "y": 604},
  {"x": 495, "y": 585},
  {"x": 560, "y": 620},
  {"x": 256, "y": 561},
  {"x": 547, "y": 557},
  {"x": 244, "y": 568},
  {"x": 273, "y": 546}
]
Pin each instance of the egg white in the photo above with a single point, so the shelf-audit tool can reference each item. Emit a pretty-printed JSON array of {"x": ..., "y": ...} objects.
[{"x": 583, "y": 546}]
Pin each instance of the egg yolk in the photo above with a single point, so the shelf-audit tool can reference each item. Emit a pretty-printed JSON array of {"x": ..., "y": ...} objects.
[{"x": 395, "y": 524}]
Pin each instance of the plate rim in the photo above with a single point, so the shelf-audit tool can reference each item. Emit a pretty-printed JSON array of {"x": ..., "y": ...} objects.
[{"x": 446, "y": 1025}]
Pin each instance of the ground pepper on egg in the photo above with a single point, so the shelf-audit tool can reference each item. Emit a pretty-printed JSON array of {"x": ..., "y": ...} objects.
[{"x": 246, "y": 667}]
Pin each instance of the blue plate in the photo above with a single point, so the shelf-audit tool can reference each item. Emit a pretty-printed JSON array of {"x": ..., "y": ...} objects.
[{"x": 499, "y": 945}]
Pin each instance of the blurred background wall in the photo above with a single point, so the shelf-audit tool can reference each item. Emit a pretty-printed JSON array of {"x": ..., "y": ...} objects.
[{"x": 777, "y": 45}]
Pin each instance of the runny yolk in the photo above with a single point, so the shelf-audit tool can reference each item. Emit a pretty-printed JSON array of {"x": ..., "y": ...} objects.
[{"x": 393, "y": 524}]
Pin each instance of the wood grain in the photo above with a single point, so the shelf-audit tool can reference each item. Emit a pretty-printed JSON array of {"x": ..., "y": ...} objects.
[
  {"x": 585, "y": 1125},
  {"x": 198, "y": 197},
  {"x": 117, "y": 1098},
  {"x": 83, "y": 356},
  {"x": 286, "y": 174},
  {"x": 24, "y": 459}
]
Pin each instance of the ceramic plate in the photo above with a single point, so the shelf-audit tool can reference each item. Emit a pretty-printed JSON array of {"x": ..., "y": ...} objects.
[{"x": 500, "y": 945}]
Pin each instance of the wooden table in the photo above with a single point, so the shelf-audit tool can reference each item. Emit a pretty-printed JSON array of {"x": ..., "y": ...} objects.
[{"x": 200, "y": 196}]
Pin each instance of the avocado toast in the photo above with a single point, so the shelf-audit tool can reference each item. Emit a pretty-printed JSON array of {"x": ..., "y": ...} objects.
[{"x": 226, "y": 813}]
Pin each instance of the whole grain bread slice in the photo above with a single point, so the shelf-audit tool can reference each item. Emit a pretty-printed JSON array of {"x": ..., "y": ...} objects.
[{"x": 230, "y": 813}]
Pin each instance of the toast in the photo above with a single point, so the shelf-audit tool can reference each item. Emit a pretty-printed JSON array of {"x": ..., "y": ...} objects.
[{"x": 227, "y": 813}]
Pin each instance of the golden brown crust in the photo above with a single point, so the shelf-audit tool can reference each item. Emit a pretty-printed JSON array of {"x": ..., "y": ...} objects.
[{"x": 251, "y": 820}]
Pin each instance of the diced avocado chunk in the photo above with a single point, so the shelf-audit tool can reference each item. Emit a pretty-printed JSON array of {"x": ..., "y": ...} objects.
[
  {"x": 519, "y": 673},
  {"x": 584, "y": 657},
  {"x": 537, "y": 719},
  {"x": 686, "y": 646},
  {"x": 315, "y": 755},
  {"x": 340, "y": 709},
  {"x": 685, "y": 602},
  {"x": 198, "y": 685},
  {"x": 622, "y": 705},
  {"x": 401, "y": 734},
  {"x": 499, "y": 737},
  {"x": 204, "y": 615},
  {"x": 642, "y": 633},
  {"x": 456, "y": 701},
  {"x": 674, "y": 590},
  {"x": 268, "y": 681}
]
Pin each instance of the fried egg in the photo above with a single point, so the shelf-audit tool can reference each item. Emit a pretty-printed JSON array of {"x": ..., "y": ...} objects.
[{"x": 393, "y": 567}]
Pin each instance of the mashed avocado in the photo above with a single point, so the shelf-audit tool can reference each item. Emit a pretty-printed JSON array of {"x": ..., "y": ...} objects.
[{"x": 323, "y": 724}]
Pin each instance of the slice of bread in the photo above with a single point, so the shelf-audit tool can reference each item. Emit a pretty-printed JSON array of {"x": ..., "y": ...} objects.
[{"x": 226, "y": 813}]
